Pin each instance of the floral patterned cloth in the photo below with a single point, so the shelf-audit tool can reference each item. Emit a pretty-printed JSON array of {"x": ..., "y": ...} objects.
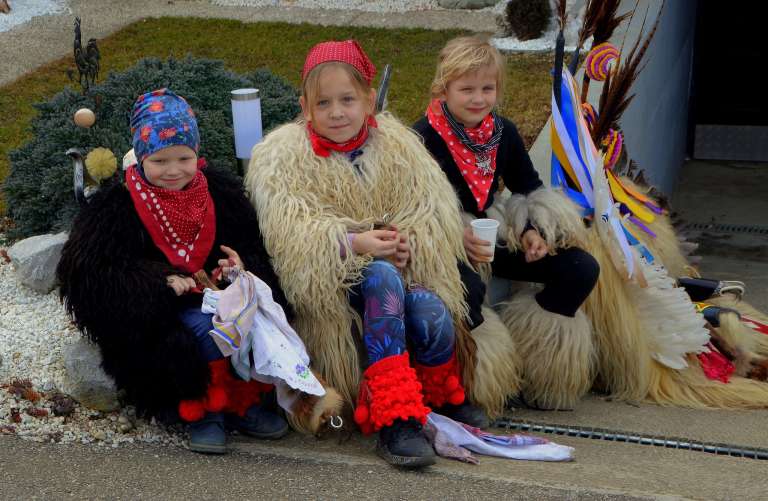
[
  {"x": 161, "y": 119},
  {"x": 394, "y": 316}
]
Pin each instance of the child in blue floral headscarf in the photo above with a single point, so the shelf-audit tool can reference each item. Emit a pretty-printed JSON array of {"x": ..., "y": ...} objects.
[{"x": 127, "y": 277}]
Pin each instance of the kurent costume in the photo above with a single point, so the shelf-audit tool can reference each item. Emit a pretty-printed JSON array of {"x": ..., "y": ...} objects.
[
  {"x": 309, "y": 199},
  {"x": 551, "y": 332},
  {"x": 651, "y": 343},
  {"x": 123, "y": 247}
]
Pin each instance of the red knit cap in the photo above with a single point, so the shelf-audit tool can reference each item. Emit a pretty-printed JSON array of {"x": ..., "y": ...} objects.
[{"x": 348, "y": 51}]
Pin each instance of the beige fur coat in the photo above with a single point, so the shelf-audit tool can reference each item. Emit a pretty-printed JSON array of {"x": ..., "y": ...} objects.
[{"x": 307, "y": 204}]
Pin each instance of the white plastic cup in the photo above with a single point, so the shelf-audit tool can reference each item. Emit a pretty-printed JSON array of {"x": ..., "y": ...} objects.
[{"x": 486, "y": 229}]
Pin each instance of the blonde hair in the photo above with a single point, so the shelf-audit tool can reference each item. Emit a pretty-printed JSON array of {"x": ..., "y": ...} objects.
[
  {"x": 310, "y": 87},
  {"x": 465, "y": 55}
]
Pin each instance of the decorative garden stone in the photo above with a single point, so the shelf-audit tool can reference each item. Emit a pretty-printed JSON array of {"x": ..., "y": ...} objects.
[
  {"x": 35, "y": 260},
  {"x": 86, "y": 381}
]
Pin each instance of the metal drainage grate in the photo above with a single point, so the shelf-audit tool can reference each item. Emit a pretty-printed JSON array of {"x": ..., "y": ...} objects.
[
  {"x": 727, "y": 228},
  {"x": 634, "y": 438}
]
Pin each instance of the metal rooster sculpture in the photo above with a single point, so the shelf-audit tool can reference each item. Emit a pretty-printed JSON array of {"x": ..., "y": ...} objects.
[{"x": 87, "y": 61}]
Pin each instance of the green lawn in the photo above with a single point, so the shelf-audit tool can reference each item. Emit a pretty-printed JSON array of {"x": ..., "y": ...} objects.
[{"x": 281, "y": 47}]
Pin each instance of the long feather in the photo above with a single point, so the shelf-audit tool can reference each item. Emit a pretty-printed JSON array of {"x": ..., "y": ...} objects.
[
  {"x": 616, "y": 96},
  {"x": 600, "y": 21},
  {"x": 561, "y": 15},
  {"x": 608, "y": 21}
]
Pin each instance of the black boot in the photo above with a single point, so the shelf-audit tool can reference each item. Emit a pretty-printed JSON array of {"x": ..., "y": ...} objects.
[
  {"x": 404, "y": 444},
  {"x": 465, "y": 413}
]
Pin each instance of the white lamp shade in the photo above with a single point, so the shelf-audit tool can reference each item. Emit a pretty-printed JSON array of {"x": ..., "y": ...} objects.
[{"x": 246, "y": 120}]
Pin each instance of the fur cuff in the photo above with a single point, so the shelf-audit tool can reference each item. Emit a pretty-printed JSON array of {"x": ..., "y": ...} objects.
[
  {"x": 389, "y": 391},
  {"x": 441, "y": 384},
  {"x": 549, "y": 211}
]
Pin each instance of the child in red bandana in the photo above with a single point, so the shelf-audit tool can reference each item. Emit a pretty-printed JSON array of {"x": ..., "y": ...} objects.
[
  {"x": 350, "y": 211},
  {"x": 477, "y": 149},
  {"x": 127, "y": 269}
]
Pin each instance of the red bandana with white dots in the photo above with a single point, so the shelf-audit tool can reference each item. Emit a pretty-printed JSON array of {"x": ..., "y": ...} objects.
[
  {"x": 479, "y": 182},
  {"x": 182, "y": 224}
]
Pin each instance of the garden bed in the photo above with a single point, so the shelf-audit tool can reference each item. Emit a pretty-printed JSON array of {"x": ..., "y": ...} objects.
[{"x": 281, "y": 47}]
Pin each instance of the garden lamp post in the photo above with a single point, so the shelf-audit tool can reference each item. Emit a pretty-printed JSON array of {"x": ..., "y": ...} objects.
[{"x": 246, "y": 123}]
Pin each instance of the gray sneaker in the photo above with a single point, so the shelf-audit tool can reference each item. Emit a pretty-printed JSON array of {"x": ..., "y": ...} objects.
[
  {"x": 258, "y": 422},
  {"x": 208, "y": 435}
]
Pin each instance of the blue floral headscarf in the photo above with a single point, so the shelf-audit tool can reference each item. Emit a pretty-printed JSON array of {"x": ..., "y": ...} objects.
[{"x": 161, "y": 119}]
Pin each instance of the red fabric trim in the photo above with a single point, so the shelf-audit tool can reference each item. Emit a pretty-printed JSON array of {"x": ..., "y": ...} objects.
[
  {"x": 466, "y": 161},
  {"x": 441, "y": 384},
  {"x": 715, "y": 365},
  {"x": 182, "y": 223},
  {"x": 754, "y": 324},
  {"x": 389, "y": 391},
  {"x": 323, "y": 147}
]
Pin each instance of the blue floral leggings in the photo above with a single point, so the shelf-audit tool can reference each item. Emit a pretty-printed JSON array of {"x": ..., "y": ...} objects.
[{"x": 394, "y": 316}]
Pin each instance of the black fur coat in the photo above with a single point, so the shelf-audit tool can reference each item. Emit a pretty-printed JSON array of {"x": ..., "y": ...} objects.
[{"x": 113, "y": 283}]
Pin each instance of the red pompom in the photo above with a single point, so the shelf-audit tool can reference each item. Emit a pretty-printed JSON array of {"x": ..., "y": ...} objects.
[
  {"x": 441, "y": 384},
  {"x": 361, "y": 414},
  {"x": 191, "y": 410},
  {"x": 389, "y": 391},
  {"x": 220, "y": 372},
  {"x": 216, "y": 399},
  {"x": 457, "y": 397},
  {"x": 451, "y": 383}
]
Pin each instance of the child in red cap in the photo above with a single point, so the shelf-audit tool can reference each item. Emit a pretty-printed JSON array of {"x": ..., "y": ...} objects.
[{"x": 365, "y": 242}]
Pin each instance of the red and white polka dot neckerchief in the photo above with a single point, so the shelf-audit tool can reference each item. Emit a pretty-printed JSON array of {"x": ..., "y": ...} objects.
[
  {"x": 478, "y": 179},
  {"x": 182, "y": 224}
]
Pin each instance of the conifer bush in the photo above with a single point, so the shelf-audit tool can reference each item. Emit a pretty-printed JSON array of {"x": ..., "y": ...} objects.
[
  {"x": 525, "y": 19},
  {"x": 38, "y": 189}
]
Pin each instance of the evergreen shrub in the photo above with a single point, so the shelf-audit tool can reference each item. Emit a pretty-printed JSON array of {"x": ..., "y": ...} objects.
[
  {"x": 526, "y": 19},
  {"x": 38, "y": 190}
]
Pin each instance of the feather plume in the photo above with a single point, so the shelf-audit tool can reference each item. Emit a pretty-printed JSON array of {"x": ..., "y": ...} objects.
[
  {"x": 606, "y": 21},
  {"x": 615, "y": 96},
  {"x": 600, "y": 21},
  {"x": 561, "y": 15}
]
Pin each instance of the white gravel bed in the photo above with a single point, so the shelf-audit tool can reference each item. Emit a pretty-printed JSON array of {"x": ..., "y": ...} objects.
[
  {"x": 33, "y": 331},
  {"x": 547, "y": 41},
  {"x": 24, "y": 10}
]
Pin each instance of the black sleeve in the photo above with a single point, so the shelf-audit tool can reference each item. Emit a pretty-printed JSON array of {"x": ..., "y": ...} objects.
[
  {"x": 237, "y": 226},
  {"x": 475, "y": 294},
  {"x": 518, "y": 172}
]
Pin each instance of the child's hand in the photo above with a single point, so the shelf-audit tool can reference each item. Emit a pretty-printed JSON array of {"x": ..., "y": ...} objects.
[
  {"x": 534, "y": 246},
  {"x": 180, "y": 284},
  {"x": 478, "y": 250},
  {"x": 403, "y": 252},
  {"x": 376, "y": 243},
  {"x": 233, "y": 261}
]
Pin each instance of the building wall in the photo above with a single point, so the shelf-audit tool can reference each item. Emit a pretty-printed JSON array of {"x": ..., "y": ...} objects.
[{"x": 656, "y": 122}]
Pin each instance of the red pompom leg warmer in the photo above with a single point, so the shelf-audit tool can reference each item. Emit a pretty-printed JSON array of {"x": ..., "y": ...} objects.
[
  {"x": 226, "y": 393},
  {"x": 389, "y": 391},
  {"x": 441, "y": 384}
]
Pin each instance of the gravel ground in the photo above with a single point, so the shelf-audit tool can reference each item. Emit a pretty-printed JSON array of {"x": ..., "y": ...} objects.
[
  {"x": 24, "y": 10},
  {"x": 34, "y": 330}
]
